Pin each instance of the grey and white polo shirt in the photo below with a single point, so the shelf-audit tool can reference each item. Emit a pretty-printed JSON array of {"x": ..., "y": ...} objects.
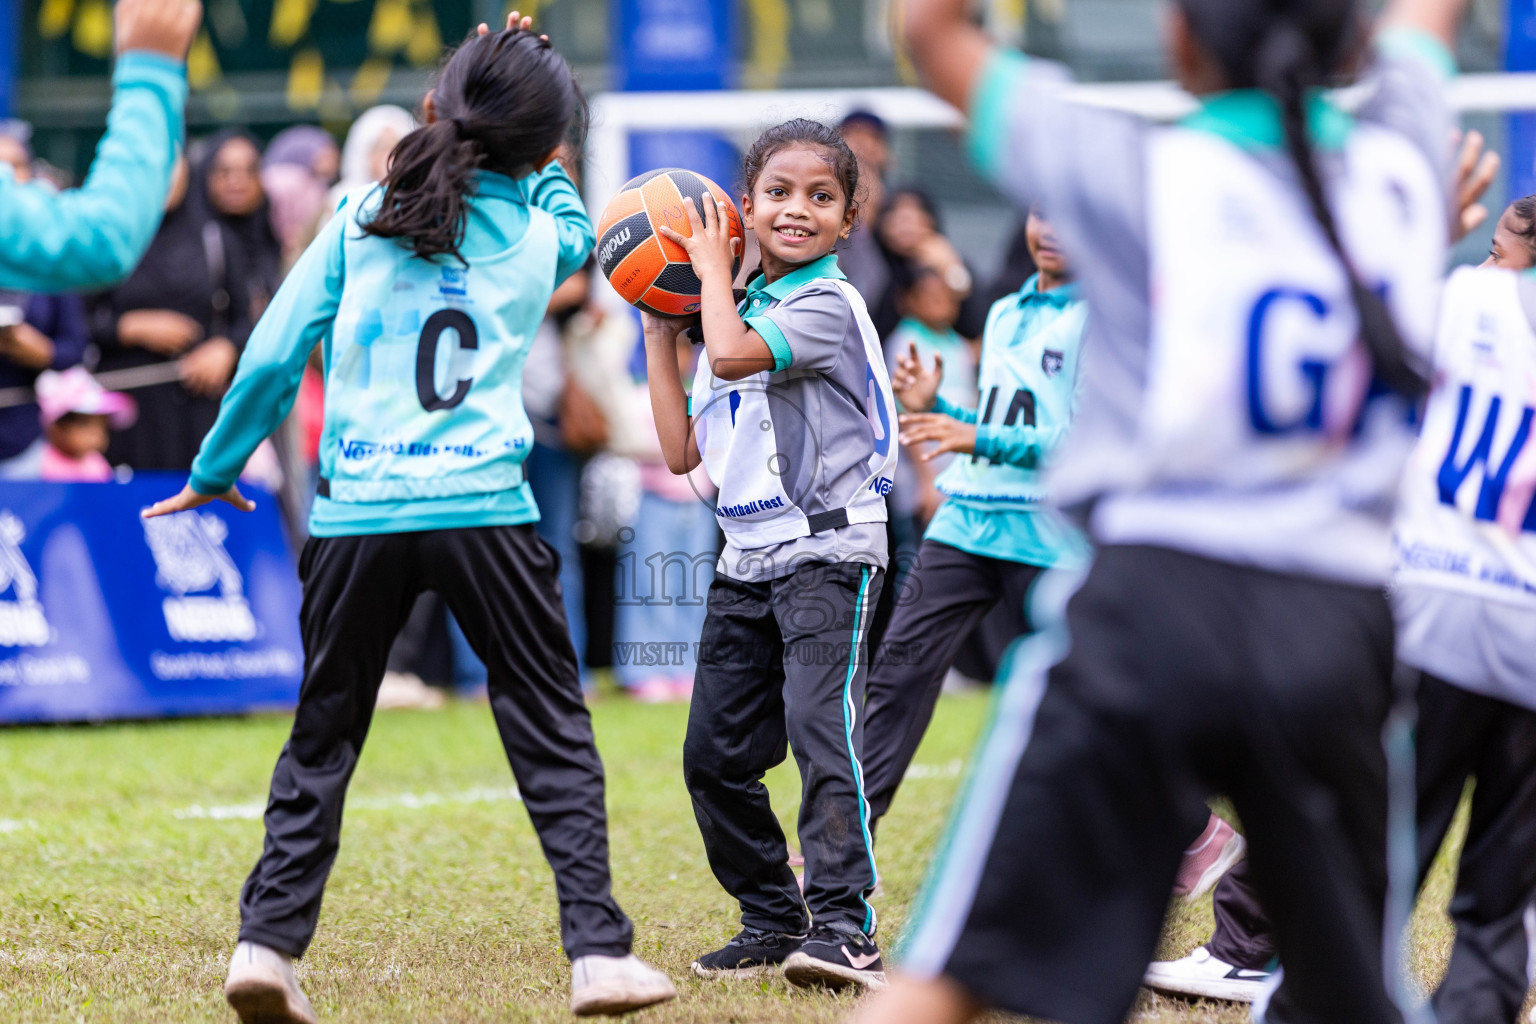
[{"x": 803, "y": 454}]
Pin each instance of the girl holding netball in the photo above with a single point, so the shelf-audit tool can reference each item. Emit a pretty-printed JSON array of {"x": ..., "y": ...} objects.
[
  {"x": 1261, "y": 276},
  {"x": 793, "y": 419},
  {"x": 450, "y": 260}
]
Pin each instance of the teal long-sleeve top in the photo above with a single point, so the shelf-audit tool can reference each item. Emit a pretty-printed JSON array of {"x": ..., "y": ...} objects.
[
  {"x": 301, "y": 316},
  {"x": 997, "y": 504},
  {"x": 92, "y": 237}
]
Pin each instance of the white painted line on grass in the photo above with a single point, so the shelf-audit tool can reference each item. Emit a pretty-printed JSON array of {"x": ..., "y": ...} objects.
[
  {"x": 16, "y": 824},
  {"x": 396, "y": 801},
  {"x": 948, "y": 770}
]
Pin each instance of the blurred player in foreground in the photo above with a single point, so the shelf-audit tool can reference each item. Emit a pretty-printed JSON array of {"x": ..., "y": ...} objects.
[
  {"x": 1465, "y": 596},
  {"x": 461, "y": 244},
  {"x": 1237, "y": 467}
]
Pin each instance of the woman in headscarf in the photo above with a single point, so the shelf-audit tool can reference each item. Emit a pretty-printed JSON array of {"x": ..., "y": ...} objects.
[
  {"x": 365, "y": 154},
  {"x": 297, "y": 171},
  {"x": 181, "y": 320},
  {"x": 230, "y": 181}
]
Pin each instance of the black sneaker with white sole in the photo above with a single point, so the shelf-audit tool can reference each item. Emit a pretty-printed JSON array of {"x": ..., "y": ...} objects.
[
  {"x": 751, "y": 952},
  {"x": 835, "y": 959}
]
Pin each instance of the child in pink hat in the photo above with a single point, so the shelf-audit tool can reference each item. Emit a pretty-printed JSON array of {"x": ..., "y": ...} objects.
[{"x": 78, "y": 418}]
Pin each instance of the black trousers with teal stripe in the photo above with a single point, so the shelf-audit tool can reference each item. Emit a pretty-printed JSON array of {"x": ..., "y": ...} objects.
[{"x": 782, "y": 664}]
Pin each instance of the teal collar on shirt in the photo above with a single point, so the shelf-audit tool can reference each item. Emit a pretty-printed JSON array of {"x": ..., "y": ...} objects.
[
  {"x": 1250, "y": 118},
  {"x": 499, "y": 186},
  {"x": 780, "y": 289},
  {"x": 1058, "y": 297}
]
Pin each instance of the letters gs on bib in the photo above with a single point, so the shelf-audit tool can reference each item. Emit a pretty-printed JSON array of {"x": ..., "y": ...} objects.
[
  {"x": 1305, "y": 371},
  {"x": 426, "y": 358}
]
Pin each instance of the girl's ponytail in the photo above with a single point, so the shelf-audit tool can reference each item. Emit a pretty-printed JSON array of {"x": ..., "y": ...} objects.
[
  {"x": 1288, "y": 48},
  {"x": 426, "y": 193},
  {"x": 503, "y": 103},
  {"x": 1286, "y": 65}
]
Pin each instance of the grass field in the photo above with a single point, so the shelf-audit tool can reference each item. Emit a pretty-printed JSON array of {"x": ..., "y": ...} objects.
[{"x": 124, "y": 847}]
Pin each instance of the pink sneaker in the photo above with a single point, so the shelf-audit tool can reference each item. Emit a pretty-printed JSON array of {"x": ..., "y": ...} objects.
[{"x": 1212, "y": 855}]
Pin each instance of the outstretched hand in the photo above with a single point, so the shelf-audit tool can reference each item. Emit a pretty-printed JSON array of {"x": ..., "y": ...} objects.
[
  {"x": 190, "y": 499},
  {"x": 1476, "y": 167},
  {"x": 947, "y": 433},
  {"x": 711, "y": 248},
  {"x": 158, "y": 26},
  {"x": 515, "y": 20},
  {"x": 916, "y": 387}
]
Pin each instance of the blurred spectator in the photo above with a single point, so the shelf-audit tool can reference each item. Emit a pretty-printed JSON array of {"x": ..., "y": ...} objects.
[
  {"x": 297, "y": 171},
  {"x": 78, "y": 417},
  {"x": 51, "y": 333},
  {"x": 184, "y": 313},
  {"x": 365, "y": 154},
  {"x": 911, "y": 235},
  {"x": 229, "y": 177},
  {"x": 861, "y": 259}
]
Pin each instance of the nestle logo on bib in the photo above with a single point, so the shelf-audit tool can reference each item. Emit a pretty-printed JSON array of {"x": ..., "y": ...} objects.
[
  {"x": 190, "y": 557},
  {"x": 22, "y": 623}
]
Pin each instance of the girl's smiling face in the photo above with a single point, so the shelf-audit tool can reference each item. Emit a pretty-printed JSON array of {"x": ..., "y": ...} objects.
[{"x": 797, "y": 209}]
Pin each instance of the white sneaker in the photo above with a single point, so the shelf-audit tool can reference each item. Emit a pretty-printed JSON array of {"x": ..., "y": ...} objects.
[
  {"x": 612, "y": 985},
  {"x": 406, "y": 690},
  {"x": 1202, "y": 975},
  {"x": 262, "y": 989}
]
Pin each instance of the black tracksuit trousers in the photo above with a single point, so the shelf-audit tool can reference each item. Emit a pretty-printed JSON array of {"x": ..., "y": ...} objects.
[
  {"x": 502, "y": 584},
  {"x": 782, "y": 663},
  {"x": 1177, "y": 677},
  {"x": 942, "y": 600},
  {"x": 1461, "y": 735}
]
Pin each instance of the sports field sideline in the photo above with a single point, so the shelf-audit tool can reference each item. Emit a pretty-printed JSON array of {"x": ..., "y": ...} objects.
[{"x": 124, "y": 847}]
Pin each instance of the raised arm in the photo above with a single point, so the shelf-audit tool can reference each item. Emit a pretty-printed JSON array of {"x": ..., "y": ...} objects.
[
  {"x": 267, "y": 380},
  {"x": 1437, "y": 18},
  {"x": 92, "y": 237},
  {"x": 669, "y": 402},
  {"x": 734, "y": 349},
  {"x": 950, "y": 51},
  {"x": 551, "y": 190}
]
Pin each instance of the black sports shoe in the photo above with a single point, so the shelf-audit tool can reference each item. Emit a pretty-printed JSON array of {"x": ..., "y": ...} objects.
[
  {"x": 836, "y": 959},
  {"x": 750, "y": 952}
]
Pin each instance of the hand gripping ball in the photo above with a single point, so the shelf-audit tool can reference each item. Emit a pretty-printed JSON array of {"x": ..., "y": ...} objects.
[{"x": 650, "y": 271}]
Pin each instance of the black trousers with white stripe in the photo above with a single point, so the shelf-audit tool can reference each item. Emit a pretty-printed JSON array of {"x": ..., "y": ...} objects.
[
  {"x": 1182, "y": 677},
  {"x": 502, "y": 583},
  {"x": 949, "y": 592},
  {"x": 782, "y": 663},
  {"x": 1461, "y": 736}
]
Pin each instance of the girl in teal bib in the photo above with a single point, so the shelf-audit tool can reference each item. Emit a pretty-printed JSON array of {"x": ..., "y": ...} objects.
[{"x": 424, "y": 292}]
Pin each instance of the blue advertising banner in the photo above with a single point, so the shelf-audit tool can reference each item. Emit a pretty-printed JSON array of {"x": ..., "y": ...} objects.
[
  {"x": 1520, "y": 55},
  {"x": 104, "y": 614},
  {"x": 672, "y": 44},
  {"x": 10, "y": 36}
]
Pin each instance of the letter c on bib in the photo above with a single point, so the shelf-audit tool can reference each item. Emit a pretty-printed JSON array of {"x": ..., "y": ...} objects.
[{"x": 426, "y": 358}]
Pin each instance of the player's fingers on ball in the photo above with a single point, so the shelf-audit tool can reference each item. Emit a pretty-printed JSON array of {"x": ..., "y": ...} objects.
[{"x": 938, "y": 363}]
